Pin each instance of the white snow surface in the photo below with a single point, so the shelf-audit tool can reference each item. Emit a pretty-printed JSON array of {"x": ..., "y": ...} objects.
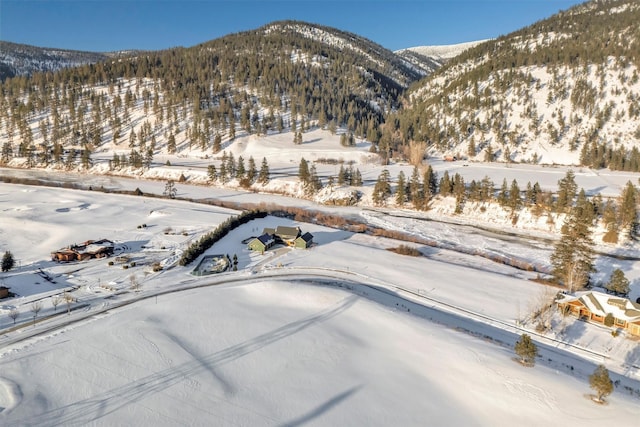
[{"x": 345, "y": 333}]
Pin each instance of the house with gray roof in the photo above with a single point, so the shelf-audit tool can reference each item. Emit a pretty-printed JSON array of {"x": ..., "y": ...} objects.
[{"x": 596, "y": 306}]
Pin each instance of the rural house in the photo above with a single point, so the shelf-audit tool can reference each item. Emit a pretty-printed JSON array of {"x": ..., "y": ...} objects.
[
  {"x": 87, "y": 250},
  {"x": 304, "y": 241},
  {"x": 262, "y": 243},
  {"x": 595, "y": 306},
  {"x": 290, "y": 236}
]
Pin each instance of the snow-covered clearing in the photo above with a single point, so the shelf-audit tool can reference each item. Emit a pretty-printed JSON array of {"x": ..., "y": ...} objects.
[{"x": 390, "y": 340}]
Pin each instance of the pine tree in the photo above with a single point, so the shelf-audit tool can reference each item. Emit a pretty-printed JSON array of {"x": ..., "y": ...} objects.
[
  {"x": 303, "y": 171},
  {"x": 240, "y": 169},
  {"x": 572, "y": 259},
  {"x": 382, "y": 188},
  {"x": 527, "y": 350},
  {"x": 356, "y": 180},
  {"x": 567, "y": 190},
  {"x": 416, "y": 194},
  {"x": 252, "y": 171},
  {"x": 170, "y": 189},
  {"x": 503, "y": 194},
  {"x": 618, "y": 283},
  {"x": 212, "y": 173},
  {"x": 628, "y": 207},
  {"x": 342, "y": 175},
  {"x": 601, "y": 383},
  {"x": 515, "y": 202},
  {"x": 8, "y": 262},
  {"x": 263, "y": 175},
  {"x": 217, "y": 143},
  {"x": 401, "y": 196},
  {"x": 445, "y": 184}
]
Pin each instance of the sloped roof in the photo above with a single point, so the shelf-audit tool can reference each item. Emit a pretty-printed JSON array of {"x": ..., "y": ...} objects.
[
  {"x": 287, "y": 232},
  {"x": 602, "y": 304},
  {"x": 266, "y": 239},
  {"x": 307, "y": 237}
]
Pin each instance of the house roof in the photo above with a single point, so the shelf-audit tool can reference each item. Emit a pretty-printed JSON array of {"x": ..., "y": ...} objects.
[
  {"x": 287, "y": 232},
  {"x": 602, "y": 304},
  {"x": 266, "y": 239},
  {"x": 307, "y": 237}
]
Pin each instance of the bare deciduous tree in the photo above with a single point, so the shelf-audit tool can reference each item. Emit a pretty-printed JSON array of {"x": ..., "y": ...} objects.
[
  {"x": 14, "y": 314},
  {"x": 36, "y": 306},
  {"x": 68, "y": 298},
  {"x": 55, "y": 301}
]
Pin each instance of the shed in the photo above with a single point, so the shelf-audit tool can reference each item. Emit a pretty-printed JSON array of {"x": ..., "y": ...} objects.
[
  {"x": 304, "y": 241},
  {"x": 4, "y": 292}
]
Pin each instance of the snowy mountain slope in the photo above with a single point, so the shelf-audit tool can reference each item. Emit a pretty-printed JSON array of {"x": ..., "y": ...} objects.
[
  {"x": 24, "y": 60},
  {"x": 563, "y": 90},
  {"x": 433, "y": 57}
]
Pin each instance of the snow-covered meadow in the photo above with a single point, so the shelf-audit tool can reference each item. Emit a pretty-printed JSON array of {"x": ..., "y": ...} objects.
[{"x": 343, "y": 333}]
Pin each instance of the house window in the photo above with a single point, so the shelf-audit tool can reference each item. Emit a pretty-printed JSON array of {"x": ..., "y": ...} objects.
[{"x": 619, "y": 322}]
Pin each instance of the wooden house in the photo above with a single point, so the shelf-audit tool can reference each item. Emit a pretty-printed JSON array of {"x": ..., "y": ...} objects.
[
  {"x": 596, "y": 306},
  {"x": 4, "y": 292},
  {"x": 87, "y": 250}
]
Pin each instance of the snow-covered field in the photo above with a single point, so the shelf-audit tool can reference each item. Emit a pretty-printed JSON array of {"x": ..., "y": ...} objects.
[{"x": 345, "y": 333}]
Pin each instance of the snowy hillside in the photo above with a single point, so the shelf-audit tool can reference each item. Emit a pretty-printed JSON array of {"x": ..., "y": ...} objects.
[
  {"x": 24, "y": 60},
  {"x": 440, "y": 53},
  {"x": 563, "y": 91}
]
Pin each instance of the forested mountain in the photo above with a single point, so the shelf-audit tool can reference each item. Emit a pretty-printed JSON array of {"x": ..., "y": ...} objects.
[
  {"x": 563, "y": 90},
  {"x": 285, "y": 76},
  {"x": 24, "y": 60}
]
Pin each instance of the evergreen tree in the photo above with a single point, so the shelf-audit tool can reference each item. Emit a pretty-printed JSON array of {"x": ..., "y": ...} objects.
[
  {"x": 382, "y": 188},
  {"x": 342, "y": 175},
  {"x": 252, "y": 171},
  {"x": 445, "y": 184},
  {"x": 7, "y": 261},
  {"x": 527, "y": 350},
  {"x": 601, "y": 383},
  {"x": 240, "y": 169},
  {"x": 217, "y": 143},
  {"x": 567, "y": 190},
  {"x": 573, "y": 255},
  {"x": 263, "y": 175},
  {"x": 515, "y": 202},
  {"x": 628, "y": 207},
  {"x": 430, "y": 183},
  {"x": 401, "y": 195},
  {"x": 212, "y": 173},
  {"x": 303, "y": 172},
  {"x": 618, "y": 283},
  {"x": 503, "y": 194},
  {"x": 356, "y": 180},
  {"x": 416, "y": 194},
  {"x": 170, "y": 189}
]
